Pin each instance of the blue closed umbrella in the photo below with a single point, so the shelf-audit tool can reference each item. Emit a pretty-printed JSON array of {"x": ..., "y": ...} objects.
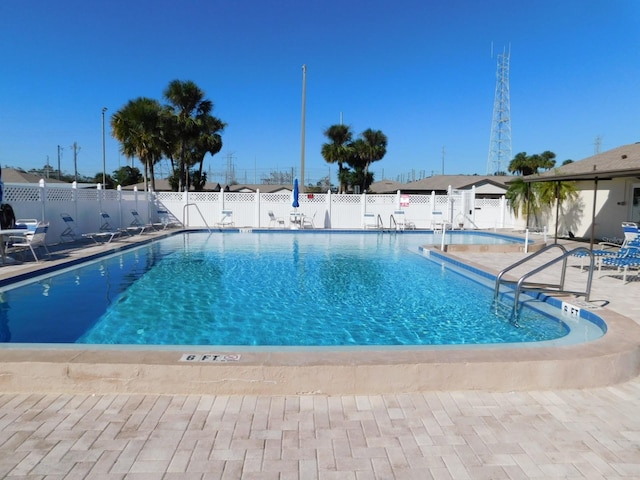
[{"x": 294, "y": 196}]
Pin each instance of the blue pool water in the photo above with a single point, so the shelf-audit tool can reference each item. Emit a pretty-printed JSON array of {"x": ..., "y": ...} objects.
[{"x": 265, "y": 289}]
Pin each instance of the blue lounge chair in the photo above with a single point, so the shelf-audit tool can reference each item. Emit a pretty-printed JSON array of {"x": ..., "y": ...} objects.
[
  {"x": 106, "y": 233},
  {"x": 627, "y": 258},
  {"x": 70, "y": 233}
]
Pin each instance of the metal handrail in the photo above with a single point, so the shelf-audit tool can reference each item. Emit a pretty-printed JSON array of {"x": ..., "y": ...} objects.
[
  {"x": 521, "y": 282},
  {"x": 522, "y": 285},
  {"x": 520, "y": 262},
  {"x": 184, "y": 210},
  {"x": 392, "y": 222}
]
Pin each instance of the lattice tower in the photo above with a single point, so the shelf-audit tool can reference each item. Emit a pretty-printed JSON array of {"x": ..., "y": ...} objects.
[{"x": 500, "y": 143}]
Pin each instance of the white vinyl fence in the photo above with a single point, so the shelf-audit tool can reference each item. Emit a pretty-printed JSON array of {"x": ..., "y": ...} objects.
[{"x": 46, "y": 203}]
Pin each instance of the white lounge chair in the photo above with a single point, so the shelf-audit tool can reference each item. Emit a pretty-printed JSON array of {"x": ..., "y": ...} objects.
[
  {"x": 370, "y": 221},
  {"x": 166, "y": 220},
  {"x": 226, "y": 221},
  {"x": 106, "y": 233},
  {"x": 438, "y": 222},
  {"x": 70, "y": 233},
  {"x": 275, "y": 221},
  {"x": 402, "y": 222},
  {"x": 31, "y": 241},
  {"x": 137, "y": 226}
]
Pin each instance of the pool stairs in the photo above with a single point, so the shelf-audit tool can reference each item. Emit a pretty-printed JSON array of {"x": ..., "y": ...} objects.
[{"x": 514, "y": 288}]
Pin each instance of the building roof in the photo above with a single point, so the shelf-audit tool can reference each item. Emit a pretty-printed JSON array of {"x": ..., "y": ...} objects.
[
  {"x": 439, "y": 183},
  {"x": 162, "y": 185},
  {"x": 11, "y": 175},
  {"x": 623, "y": 161}
]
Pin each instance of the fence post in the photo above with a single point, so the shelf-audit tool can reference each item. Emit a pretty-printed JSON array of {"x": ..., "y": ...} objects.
[
  {"x": 328, "y": 209},
  {"x": 119, "y": 189},
  {"x": 503, "y": 207},
  {"x": 472, "y": 203},
  {"x": 185, "y": 209},
  {"x": 256, "y": 210},
  {"x": 74, "y": 198},
  {"x": 450, "y": 205},
  {"x": 99, "y": 198},
  {"x": 43, "y": 197}
]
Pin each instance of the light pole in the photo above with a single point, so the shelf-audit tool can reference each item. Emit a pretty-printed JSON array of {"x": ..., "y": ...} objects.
[
  {"x": 304, "y": 101},
  {"x": 104, "y": 163}
]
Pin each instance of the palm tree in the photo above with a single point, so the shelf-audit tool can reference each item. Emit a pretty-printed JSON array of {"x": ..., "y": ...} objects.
[
  {"x": 524, "y": 164},
  {"x": 374, "y": 148},
  {"x": 338, "y": 149},
  {"x": 138, "y": 126},
  {"x": 520, "y": 198},
  {"x": 197, "y": 131},
  {"x": 209, "y": 140}
]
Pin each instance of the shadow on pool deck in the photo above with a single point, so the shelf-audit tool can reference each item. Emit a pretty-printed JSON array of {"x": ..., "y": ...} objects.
[{"x": 609, "y": 360}]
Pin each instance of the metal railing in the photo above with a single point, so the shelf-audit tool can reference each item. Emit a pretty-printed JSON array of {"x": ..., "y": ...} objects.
[{"x": 522, "y": 285}]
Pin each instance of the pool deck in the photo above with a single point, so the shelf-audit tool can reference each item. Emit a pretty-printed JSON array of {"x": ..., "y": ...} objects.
[{"x": 68, "y": 420}]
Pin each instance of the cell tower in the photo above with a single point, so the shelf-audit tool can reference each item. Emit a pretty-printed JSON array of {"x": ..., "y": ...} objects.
[{"x": 500, "y": 143}]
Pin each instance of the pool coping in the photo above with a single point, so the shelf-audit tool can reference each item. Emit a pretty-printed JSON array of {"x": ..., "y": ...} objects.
[{"x": 612, "y": 359}]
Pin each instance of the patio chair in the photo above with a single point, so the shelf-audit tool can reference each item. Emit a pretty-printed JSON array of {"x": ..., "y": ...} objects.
[
  {"x": 226, "y": 221},
  {"x": 106, "y": 233},
  {"x": 275, "y": 221},
  {"x": 29, "y": 224},
  {"x": 30, "y": 241},
  {"x": 627, "y": 258},
  {"x": 137, "y": 226},
  {"x": 166, "y": 220},
  {"x": 370, "y": 221},
  {"x": 631, "y": 232},
  {"x": 307, "y": 221},
  {"x": 438, "y": 222},
  {"x": 70, "y": 233},
  {"x": 402, "y": 222},
  {"x": 611, "y": 249}
]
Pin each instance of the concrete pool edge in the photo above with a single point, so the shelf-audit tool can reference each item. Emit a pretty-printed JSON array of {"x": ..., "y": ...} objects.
[{"x": 612, "y": 359}]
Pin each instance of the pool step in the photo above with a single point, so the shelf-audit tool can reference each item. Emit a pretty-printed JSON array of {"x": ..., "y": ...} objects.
[{"x": 504, "y": 308}]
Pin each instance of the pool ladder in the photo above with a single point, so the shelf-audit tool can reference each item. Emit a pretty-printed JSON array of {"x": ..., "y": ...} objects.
[{"x": 522, "y": 285}]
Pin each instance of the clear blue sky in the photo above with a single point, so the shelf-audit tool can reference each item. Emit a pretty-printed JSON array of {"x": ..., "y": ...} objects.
[{"x": 421, "y": 71}]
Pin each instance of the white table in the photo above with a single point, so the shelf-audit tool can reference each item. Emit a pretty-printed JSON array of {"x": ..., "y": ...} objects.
[
  {"x": 8, "y": 233},
  {"x": 295, "y": 220}
]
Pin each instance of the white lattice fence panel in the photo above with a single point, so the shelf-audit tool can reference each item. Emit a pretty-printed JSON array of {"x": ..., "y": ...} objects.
[
  {"x": 21, "y": 194},
  {"x": 60, "y": 194},
  {"x": 83, "y": 194},
  {"x": 275, "y": 198}
]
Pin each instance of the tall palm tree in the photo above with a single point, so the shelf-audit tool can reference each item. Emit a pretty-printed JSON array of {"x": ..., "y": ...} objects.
[
  {"x": 337, "y": 150},
  {"x": 374, "y": 148},
  {"x": 209, "y": 141},
  {"x": 138, "y": 126},
  {"x": 197, "y": 131}
]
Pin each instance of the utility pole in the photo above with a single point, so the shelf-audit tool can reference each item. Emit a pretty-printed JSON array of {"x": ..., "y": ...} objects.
[
  {"x": 76, "y": 149},
  {"x": 104, "y": 162},
  {"x": 59, "y": 155}
]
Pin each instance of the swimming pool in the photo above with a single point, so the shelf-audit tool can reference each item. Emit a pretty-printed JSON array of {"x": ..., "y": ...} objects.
[{"x": 267, "y": 289}]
